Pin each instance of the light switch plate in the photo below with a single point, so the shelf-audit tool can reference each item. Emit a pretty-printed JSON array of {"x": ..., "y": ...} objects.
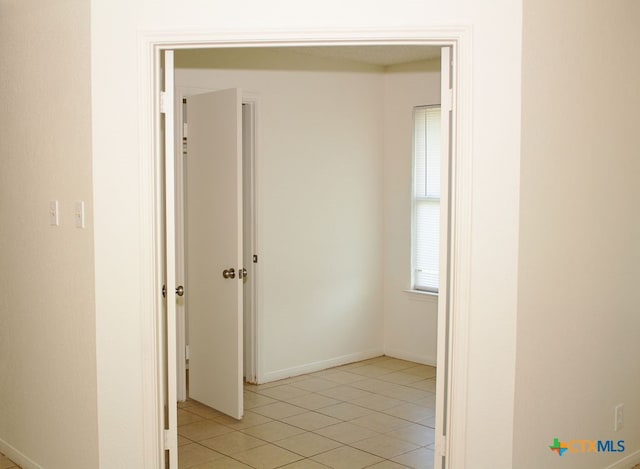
[
  {"x": 54, "y": 213},
  {"x": 78, "y": 213}
]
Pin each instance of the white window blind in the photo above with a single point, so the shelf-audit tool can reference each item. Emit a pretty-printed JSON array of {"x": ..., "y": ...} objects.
[{"x": 426, "y": 198}]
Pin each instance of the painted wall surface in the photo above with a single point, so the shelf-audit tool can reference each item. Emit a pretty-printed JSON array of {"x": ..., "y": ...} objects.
[
  {"x": 120, "y": 235},
  {"x": 578, "y": 296},
  {"x": 48, "y": 390},
  {"x": 410, "y": 319},
  {"x": 319, "y": 201}
]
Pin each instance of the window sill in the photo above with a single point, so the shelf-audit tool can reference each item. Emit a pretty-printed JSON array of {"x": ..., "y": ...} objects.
[{"x": 422, "y": 295}]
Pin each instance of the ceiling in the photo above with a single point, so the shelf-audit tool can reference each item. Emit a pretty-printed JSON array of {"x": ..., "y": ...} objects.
[
  {"x": 375, "y": 55},
  {"x": 279, "y": 58}
]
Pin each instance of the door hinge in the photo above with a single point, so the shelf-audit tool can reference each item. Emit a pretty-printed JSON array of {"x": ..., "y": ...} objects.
[
  {"x": 170, "y": 440},
  {"x": 186, "y": 352},
  {"x": 163, "y": 102},
  {"x": 448, "y": 98}
]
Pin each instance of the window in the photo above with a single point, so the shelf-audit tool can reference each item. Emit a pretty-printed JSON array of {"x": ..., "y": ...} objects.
[{"x": 426, "y": 199}]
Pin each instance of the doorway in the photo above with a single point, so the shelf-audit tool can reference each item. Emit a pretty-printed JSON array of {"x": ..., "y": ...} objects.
[
  {"x": 446, "y": 329},
  {"x": 335, "y": 120}
]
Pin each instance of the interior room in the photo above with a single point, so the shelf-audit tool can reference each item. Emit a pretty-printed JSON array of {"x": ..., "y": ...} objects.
[
  {"x": 333, "y": 181},
  {"x": 333, "y": 294}
]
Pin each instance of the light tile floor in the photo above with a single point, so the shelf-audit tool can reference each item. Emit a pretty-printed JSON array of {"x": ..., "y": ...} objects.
[{"x": 376, "y": 413}]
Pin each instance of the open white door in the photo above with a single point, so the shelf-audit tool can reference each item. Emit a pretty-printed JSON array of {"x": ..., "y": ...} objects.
[
  {"x": 443, "y": 391},
  {"x": 169, "y": 254},
  {"x": 213, "y": 251}
]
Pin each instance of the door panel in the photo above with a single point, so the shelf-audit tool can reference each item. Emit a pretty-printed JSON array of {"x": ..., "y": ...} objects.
[
  {"x": 447, "y": 127},
  {"x": 169, "y": 245},
  {"x": 214, "y": 244}
]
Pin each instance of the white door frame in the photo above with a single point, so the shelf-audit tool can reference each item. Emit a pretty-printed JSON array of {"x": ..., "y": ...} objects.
[
  {"x": 455, "y": 340},
  {"x": 250, "y": 123}
]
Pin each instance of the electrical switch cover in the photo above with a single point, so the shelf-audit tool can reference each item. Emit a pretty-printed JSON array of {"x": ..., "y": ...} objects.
[
  {"x": 619, "y": 418},
  {"x": 54, "y": 216},
  {"x": 79, "y": 213}
]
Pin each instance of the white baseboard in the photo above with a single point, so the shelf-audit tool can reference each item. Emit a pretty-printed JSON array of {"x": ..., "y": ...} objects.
[
  {"x": 627, "y": 462},
  {"x": 317, "y": 366},
  {"x": 412, "y": 357},
  {"x": 17, "y": 457}
]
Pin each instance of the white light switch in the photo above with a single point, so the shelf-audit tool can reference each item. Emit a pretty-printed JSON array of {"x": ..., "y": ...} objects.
[
  {"x": 54, "y": 215},
  {"x": 78, "y": 213}
]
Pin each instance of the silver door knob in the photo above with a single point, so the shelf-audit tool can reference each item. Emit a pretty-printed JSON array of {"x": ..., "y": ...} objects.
[
  {"x": 180, "y": 290},
  {"x": 229, "y": 273},
  {"x": 242, "y": 273}
]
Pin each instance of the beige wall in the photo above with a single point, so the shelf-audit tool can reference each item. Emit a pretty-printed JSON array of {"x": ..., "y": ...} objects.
[
  {"x": 48, "y": 400},
  {"x": 410, "y": 319},
  {"x": 319, "y": 201},
  {"x": 578, "y": 295}
]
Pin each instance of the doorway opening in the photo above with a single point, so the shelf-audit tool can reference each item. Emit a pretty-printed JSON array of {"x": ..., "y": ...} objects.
[
  {"x": 445, "y": 329},
  {"x": 342, "y": 114}
]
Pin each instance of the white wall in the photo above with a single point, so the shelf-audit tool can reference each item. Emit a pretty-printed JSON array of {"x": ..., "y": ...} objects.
[
  {"x": 319, "y": 201},
  {"x": 496, "y": 56},
  {"x": 410, "y": 319},
  {"x": 578, "y": 296},
  {"x": 48, "y": 390}
]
